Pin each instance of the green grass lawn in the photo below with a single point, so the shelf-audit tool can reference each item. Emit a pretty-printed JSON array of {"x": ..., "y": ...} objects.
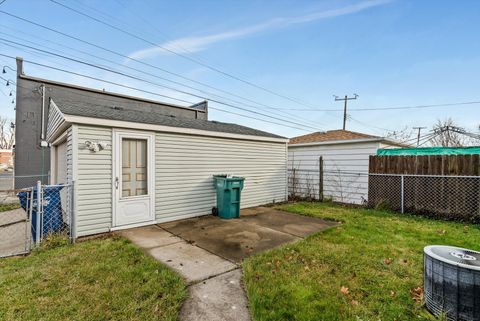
[
  {"x": 107, "y": 279},
  {"x": 8, "y": 207},
  {"x": 365, "y": 269}
]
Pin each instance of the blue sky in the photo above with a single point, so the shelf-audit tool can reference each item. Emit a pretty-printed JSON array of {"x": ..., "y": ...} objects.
[{"x": 391, "y": 53}]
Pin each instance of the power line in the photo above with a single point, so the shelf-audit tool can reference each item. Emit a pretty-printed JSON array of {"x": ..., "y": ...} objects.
[
  {"x": 146, "y": 91},
  {"x": 116, "y": 101},
  {"x": 127, "y": 57},
  {"x": 426, "y": 140},
  {"x": 394, "y": 108},
  {"x": 151, "y": 26},
  {"x": 368, "y": 125},
  {"x": 150, "y": 74},
  {"x": 146, "y": 21},
  {"x": 152, "y": 83},
  {"x": 182, "y": 55},
  {"x": 98, "y": 79},
  {"x": 414, "y": 139}
]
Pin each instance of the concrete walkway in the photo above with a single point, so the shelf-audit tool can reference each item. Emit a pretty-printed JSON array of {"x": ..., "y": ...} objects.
[
  {"x": 207, "y": 252},
  {"x": 14, "y": 233},
  {"x": 215, "y": 284}
]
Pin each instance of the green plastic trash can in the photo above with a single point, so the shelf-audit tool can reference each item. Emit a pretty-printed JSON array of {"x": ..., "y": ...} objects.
[{"x": 228, "y": 189}]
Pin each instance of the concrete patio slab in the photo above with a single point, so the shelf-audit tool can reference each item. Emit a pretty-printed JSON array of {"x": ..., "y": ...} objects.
[
  {"x": 150, "y": 236},
  {"x": 232, "y": 239},
  {"x": 217, "y": 299},
  {"x": 197, "y": 223},
  {"x": 193, "y": 263},
  {"x": 256, "y": 230},
  {"x": 298, "y": 225}
]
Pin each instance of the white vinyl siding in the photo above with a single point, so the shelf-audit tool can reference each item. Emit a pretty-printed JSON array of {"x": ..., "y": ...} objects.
[
  {"x": 55, "y": 120},
  {"x": 70, "y": 155},
  {"x": 93, "y": 182},
  {"x": 345, "y": 168},
  {"x": 185, "y": 165},
  {"x": 184, "y": 169}
]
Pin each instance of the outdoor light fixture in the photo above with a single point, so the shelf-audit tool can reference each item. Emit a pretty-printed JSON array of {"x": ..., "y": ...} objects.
[
  {"x": 4, "y": 71},
  {"x": 95, "y": 146}
]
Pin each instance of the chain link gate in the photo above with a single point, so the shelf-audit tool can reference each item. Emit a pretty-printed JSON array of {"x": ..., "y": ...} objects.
[
  {"x": 38, "y": 213},
  {"x": 14, "y": 226}
]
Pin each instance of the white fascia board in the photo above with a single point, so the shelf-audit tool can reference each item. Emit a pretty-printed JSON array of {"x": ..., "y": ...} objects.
[
  {"x": 61, "y": 128},
  {"x": 58, "y": 132},
  {"x": 335, "y": 142},
  {"x": 168, "y": 129},
  {"x": 395, "y": 144},
  {"x": 60, "y": 139}
]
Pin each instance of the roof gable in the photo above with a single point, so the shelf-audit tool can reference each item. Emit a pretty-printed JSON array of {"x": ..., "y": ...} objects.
[{"x": 331, "y": 135}]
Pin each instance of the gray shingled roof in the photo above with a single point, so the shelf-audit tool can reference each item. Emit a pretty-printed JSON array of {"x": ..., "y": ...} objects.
[{"x": 106, "y": 111}]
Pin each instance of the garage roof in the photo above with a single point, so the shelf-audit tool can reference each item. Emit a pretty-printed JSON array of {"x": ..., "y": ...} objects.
[
  {"x": 122, "y": 113},
  {"x": 339, "y": 136},
  {"x": 331, "y": 135}
]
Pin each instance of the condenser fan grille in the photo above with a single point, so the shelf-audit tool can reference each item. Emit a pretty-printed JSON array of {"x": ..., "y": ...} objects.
[{"x": 457, "y": 255}]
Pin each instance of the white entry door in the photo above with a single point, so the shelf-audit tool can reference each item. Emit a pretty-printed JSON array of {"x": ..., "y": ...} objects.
[{"x": 134, "y": 178}]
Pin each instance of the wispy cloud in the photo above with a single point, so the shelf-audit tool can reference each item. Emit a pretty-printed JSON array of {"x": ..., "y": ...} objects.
[{"x": 195, "y": 44}]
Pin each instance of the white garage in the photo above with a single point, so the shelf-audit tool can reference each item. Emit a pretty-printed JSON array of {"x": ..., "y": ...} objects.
[
  {"x": 132, "y": 168},
  {"x": 335, "y": 161}
]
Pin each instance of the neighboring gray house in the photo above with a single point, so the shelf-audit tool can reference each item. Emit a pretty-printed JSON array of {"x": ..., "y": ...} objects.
[{"x": 32, "y": 153}]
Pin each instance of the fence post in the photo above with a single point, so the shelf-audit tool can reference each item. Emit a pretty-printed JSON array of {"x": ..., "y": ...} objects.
[
  {"x": 39, "y": 202},
  {"x": 320, "y": 178},
  {"x": 402, "y": 193},
  {"x": 72, "y": 211}
]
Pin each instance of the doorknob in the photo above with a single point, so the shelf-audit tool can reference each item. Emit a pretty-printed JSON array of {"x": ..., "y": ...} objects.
[{"x": 116, "y": 182}]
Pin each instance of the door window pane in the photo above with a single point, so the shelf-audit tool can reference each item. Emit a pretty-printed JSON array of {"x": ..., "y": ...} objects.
[{"x": 134, "y": 167}]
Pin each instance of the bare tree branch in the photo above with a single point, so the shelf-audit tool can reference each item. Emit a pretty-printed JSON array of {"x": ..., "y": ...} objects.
[
  {"x": 448, "y": 134},
  {"x": 7, "y": 134}
]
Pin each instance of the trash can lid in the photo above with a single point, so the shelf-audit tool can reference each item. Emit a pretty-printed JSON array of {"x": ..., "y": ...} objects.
[
  {"x": 228, "y": 177},
  {"x": 53, "y": 188}
]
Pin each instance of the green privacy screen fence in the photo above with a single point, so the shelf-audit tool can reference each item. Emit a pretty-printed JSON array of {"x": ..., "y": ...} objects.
[{"x": 429, "y": 151}]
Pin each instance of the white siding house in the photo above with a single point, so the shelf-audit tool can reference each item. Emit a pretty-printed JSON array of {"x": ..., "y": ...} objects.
[
  {"x": 345, "y": 156},
  {"x": 132, "y": 169}
]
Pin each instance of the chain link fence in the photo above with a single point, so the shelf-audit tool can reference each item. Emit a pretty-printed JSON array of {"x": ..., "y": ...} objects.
[
  {"x": 439, "y": 196},
  {"x": 303, "y": 184},
  {"x": 330, "y": 184},
  {"x": 32, "y": 214}
]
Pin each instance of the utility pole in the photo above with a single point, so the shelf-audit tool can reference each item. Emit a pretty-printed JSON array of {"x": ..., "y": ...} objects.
[
  {"x": 355, "y": 96},
  {"x": 418, "y": 135}
]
